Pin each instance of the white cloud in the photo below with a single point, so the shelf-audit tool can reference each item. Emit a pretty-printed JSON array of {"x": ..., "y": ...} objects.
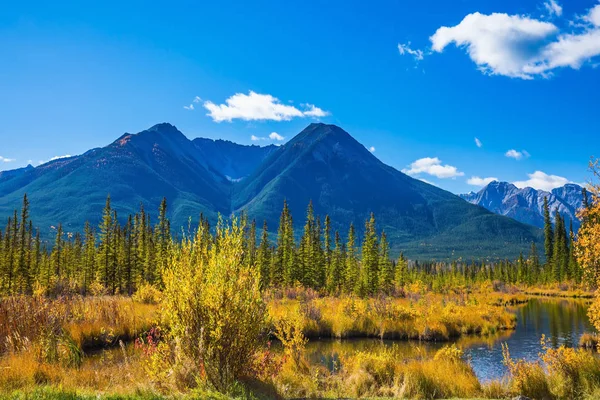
[
  {"x": 256, "y": 138},
  {"x": 478, "y": 143},
  {"x": 519, "y": 46},
  {"x": 593, "y": 17},
  {"x": 432, "y": 166},
  {"x": 54, "y": 158},
  {"x": 543, "y": 181},
  {"x": 6, "y": 160},
  {"x": 59, "y": 157},
  {"x": 517, "y": 155},
  {"x": 258, "y": 107},
  {"x": 191, "y": 107},
  {"x": 405, "y": 49},
  {"x": 553, "y": 8},
  {"x": 372, "y": 149},
  {"x": 276, "y": 136},
  {"x": 313, "y": 111},
  {"x": 477, "y": 181}
]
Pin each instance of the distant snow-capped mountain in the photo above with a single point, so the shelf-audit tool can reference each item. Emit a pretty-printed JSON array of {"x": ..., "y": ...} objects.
[{"x": 526, "y": 205}]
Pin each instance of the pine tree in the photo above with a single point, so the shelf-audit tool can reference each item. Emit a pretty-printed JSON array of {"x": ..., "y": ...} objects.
[
  {"x": 307, "y": 273},
  {"x": 401, "y": 273},
  {"x": 106, "y": 250},
  {"x": 560, "y": 251},
  {"x": 24, "y": 279},
  {"x": 548, "y": 234},
  {"x": 370, "y": 260},
  {"x": 57, "y": 254},
  {"x": 352, "y": 273},
  {"x": 89, "y": 256},
  {"x": 336, "y": 266},
  {"x": 163, "y": 236},
  {"x": 327, "y": 244},
  {"x": 386, "y": 273},
  {"x": 283, "y": 268}
]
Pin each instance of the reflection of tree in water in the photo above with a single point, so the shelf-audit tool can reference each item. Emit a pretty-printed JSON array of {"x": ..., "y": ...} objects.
[{"x": 564, "y": 321}]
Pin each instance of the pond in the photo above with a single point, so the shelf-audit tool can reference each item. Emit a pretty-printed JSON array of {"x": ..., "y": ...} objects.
[{"x": 562, "y": 321}]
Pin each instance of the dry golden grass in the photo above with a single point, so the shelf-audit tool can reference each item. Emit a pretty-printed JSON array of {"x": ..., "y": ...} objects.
[
  {"x": 91, "y": 322},
  {"x": 111, "y": 372},
  {"x": 428, "y": 317},
  {"x": 567, "y": 290}
]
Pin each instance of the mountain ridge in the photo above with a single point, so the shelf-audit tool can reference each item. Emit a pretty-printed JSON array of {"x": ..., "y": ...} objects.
[
  {"x": 526, "y": 204},
  {"x": 323, "y": 164}
]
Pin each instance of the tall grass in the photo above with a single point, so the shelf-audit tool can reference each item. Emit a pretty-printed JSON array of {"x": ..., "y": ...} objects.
[
  {"x": 428, "y": 318},
  {"x": 91, "y": 322}
]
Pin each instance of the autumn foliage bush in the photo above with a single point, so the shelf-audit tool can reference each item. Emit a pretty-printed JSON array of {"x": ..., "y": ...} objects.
[{"x": 215, "y": 308}]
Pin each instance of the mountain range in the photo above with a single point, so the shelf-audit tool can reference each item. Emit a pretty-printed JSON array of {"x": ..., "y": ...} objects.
[
  {"x": 526, "y": 204},
  {"x": 322, "y": 164}
]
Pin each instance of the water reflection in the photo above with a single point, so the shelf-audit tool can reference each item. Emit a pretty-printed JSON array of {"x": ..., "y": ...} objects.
[{"x": 562, "y": 321}]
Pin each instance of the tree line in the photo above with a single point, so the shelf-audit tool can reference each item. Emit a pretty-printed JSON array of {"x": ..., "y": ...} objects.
[{"x": 117, "y": 258}]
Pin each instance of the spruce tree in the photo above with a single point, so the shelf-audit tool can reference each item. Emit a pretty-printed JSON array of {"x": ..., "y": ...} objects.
[
  {"x": 558, "y": 255},
  {"x": 548, "y": 234},
  {"x": 369, "y": 261},
  {"x": 351, "y": 275},
  {"x": 23, "y": 274},
  {"x": 106, "y": 247},
  {"x": 386, "y": 273},
  {"x": 336, "y": 266},
  {"x": 401, "y": 273}
]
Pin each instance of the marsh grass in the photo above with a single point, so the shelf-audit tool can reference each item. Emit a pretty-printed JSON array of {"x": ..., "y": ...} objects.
[
  {"x": 101, "y": 322},
  {"x": 431, "y": 317},
  {"x": 90, "y": 322}
]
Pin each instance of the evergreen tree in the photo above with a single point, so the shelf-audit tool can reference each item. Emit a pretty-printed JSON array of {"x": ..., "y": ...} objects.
[
  {"x": 559, "y": 251},
  {"x": 57, "y": 253},
  {"x": 401, "y": 273},
  {"x": 370, "y": 260},
  {"x": 336, "y": 266},
  {"x": 386, "y": 273},
  {"x": 106, "y": 249},
  {"x": 352, "y": 273},
  {"x": 24, "y": 279},
  {"x": 283, "y": 268},
  {"x": 548, "y": 234}
]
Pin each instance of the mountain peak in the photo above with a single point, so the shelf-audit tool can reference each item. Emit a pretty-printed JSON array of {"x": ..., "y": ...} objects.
[
  {"x": 164, "y": 127},
  {"x": 320, "y": 132},
  {"x": 526, "y": 204}
]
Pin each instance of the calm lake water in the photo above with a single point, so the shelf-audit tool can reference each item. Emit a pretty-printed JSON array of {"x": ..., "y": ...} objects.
[{"x": 562, "y": 321}]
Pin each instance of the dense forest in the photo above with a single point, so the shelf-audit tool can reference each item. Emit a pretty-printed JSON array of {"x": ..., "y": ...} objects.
[{"x": 116, "y": 258}]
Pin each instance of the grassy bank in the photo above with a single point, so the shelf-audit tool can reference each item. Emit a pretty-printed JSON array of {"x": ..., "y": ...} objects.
[
  {"x": 89, "y": 322},
  {"x": 428, "y": 317},
  {"x": 565, "y": 374},
  {"x": 50, "y": 350}
]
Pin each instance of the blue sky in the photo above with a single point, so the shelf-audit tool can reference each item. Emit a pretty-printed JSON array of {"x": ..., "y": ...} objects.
[{"x": 522, "y": 79}]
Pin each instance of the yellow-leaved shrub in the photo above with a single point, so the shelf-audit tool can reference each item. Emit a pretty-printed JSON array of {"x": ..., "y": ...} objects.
[{"x": 215, "y": 308}]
